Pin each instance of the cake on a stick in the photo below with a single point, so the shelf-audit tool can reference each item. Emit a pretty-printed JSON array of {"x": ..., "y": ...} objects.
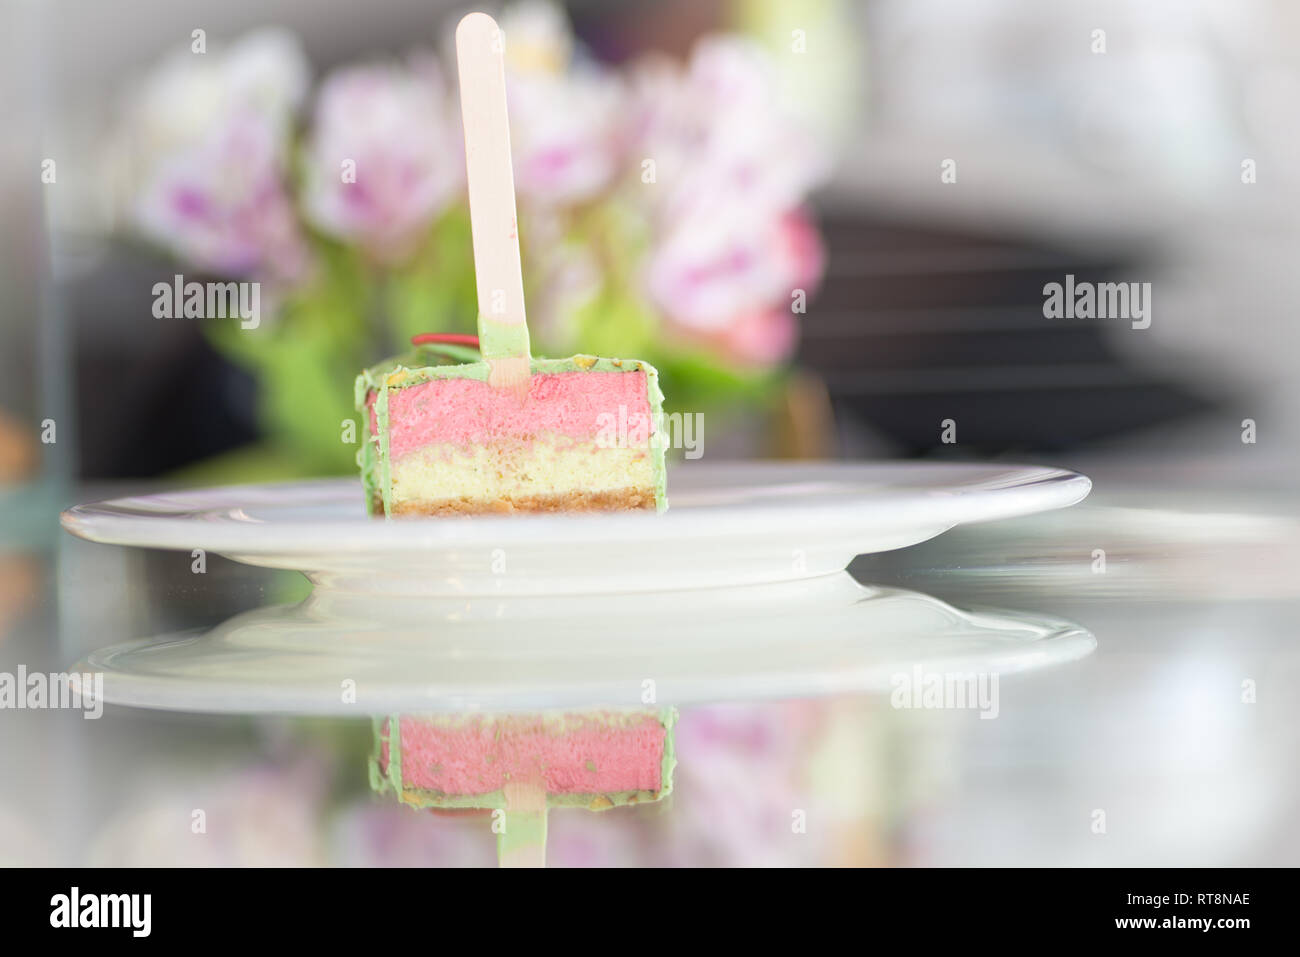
[
  {"x": 460, "y": 433},
  {"x": 442, "y": 440}
]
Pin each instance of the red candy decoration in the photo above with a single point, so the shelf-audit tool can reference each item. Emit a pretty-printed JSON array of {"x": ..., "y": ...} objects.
[{"x": 449, "y": 338}]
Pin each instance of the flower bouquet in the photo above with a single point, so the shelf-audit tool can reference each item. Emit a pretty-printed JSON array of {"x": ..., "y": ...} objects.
[{"x": 661, "y": 214}]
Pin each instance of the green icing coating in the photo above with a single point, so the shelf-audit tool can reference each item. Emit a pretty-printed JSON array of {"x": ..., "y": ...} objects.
[
  {"x": 667, "y": 717},
  {"x": 501, "y": 339},
  {"x": 449, "y": 350},
  {"x": 413, "y": 369}
]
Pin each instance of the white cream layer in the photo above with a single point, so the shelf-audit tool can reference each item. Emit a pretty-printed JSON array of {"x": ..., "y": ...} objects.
[{"x": 549, "y": 465}]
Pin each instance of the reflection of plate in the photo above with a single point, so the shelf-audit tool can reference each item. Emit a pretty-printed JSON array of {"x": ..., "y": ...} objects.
[
  {"x": 814, "y": 637},
  {"x": 729, "y": 525}
]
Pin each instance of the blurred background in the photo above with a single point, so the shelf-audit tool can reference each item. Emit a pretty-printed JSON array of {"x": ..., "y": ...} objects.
[{"x": 830, "y": 224}]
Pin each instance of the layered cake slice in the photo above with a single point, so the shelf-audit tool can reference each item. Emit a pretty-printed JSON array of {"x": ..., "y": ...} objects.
[{"x": 443, "y": 441}]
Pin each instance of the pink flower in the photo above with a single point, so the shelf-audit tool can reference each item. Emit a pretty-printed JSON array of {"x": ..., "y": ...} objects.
[
  {"x": 385, "y": 159},
  {"x": 720, "y": 143},
  {"x": 222, "y": 205},
  {"x": 201, "y": 159},
  {"x": 760, "y": 338},
  {"x": 564, "y": 277},
  {"x": 382, "y": 833},
  {"x": 566, "y": 133},
  {"x": 727, "y": 252},
  {"x": 741, "y": 772},
  {"x": 265, "y": 816},
  {"x": 800, "y": 249},
  {"x": 768, "y": 336},
  {"x": 737, "y": 289},
  {"x": 566, "y": 121},
  {"x": 176, "y": 105},
  {"x": 702, "y": 274},
  {"x": 614, "y": 838}
]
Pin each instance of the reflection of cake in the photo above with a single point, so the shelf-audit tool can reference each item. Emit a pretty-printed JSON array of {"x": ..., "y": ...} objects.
[
  {"x": 519, "y": 765},
  {"x": 443, "y": 441}
]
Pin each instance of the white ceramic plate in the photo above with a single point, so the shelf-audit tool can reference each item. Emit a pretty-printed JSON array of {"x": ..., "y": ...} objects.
[
  {"x": 728, "y": 525},
  {"x": 339, "y": 653}
]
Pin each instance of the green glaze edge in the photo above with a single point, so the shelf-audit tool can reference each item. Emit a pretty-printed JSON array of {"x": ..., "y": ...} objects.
[
  {"x": 421, "y": 798},
  {"x": 392, "y": 781},
  {"x": 500, "y": 340},
  {"x": 411, "y": 369}
]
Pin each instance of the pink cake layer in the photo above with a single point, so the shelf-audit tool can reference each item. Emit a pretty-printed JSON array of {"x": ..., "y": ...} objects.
[
  {"x": 589, "y": 754},
  {"x": 469, "y": 412}
]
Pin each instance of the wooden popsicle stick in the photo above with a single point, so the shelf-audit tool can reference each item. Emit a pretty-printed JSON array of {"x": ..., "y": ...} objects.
[
  {"x": 502, "y": 325},
  {"x": 523, "y": 841}
]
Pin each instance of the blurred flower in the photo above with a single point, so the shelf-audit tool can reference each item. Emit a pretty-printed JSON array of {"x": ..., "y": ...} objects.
[
  {"x": 221, "y": 203},
  {"x": 175, "y": 107},
  {"x": 731, "y": 171},
  {"x": 661, "y": 208},
  {"x": 735, "y": 287},
  {"x": 387, "y": 834},
  {"x": 566, "y": 134},
  {"x": 202, "y": 156},
  {"x": 539, "y": 37},
  {"x": 618, "y": 837},
  {"x": 564, "y": 276},
  {"x": 760, "y": 338},
  {"x": 741, "y": 774},
  {"x": 567, "y": 121},
  {"x": 799, "y": 247},
  {"x": 385, "y": 157},
  {"x": 703, "y": 275},
  {"x": 260, "y": 817},
  {"x": 719, "y": 140}
]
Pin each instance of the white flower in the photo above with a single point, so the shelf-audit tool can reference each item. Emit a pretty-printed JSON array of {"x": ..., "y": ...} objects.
[
  {"x": 386, "y": 156},
  {"x": 201, "y": 160},
  {"x": 566, "y": 134},
  {"x": 221, "y": 204},
  {"x": 175, "y": 107},
  {"x": 730, "y": 172},
  {"x": 720, "y": 145}
]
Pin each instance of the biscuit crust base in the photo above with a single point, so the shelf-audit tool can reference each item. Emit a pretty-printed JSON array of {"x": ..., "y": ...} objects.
[{"x": 578, "y": 500}]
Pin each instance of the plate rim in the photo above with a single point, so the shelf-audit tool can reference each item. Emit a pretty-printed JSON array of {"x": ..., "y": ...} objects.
[{"x": 1040, "y": 488}]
